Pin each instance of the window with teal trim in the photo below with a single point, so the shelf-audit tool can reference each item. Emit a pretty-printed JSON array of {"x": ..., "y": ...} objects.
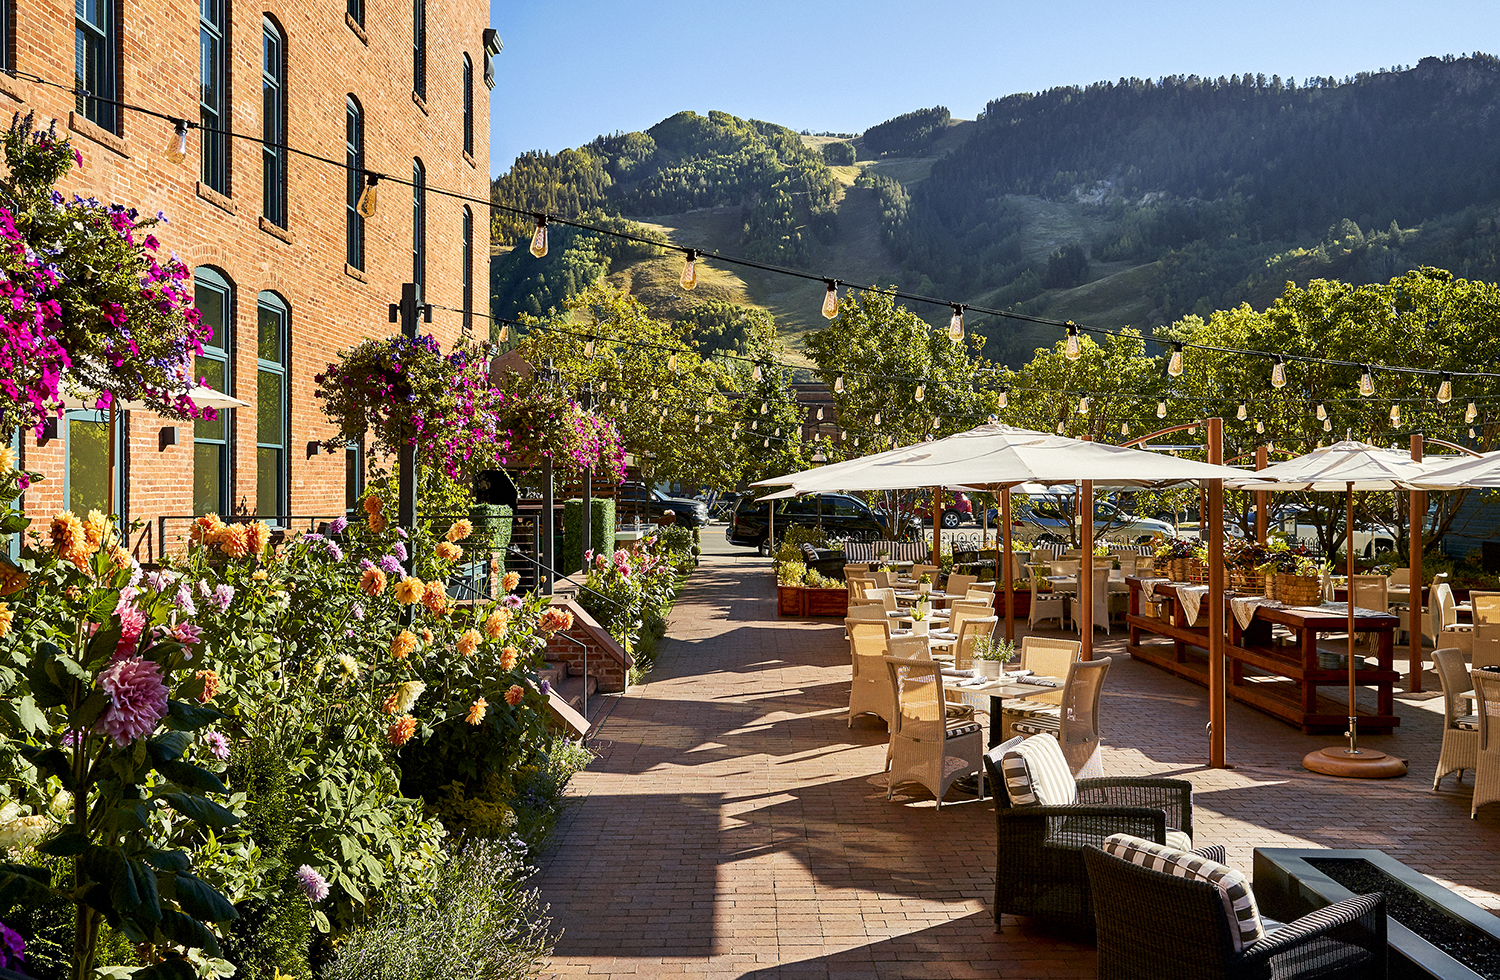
[
  {"x": 214, "y": 298},
  {"x": 273, "y": 407}
]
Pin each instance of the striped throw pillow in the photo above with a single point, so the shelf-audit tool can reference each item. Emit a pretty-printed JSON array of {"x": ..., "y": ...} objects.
[
  {"x": 1234, "y": 889},
  {"x": 1036, "y": 774}
]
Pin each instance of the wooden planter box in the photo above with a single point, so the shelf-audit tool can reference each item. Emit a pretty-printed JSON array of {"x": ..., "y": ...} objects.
[
  {"x": 791, "y": 600},
  {"x": 800, "y": 601},
  {"x": 1021, "y": 599}
]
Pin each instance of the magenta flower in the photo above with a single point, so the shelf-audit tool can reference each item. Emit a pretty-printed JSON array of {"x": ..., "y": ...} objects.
[
  {"x": 137, "y": 700},
  {"x": 313, "y": 885},
  {"x": 187, "y": 634},
  {"x": 12, "y": 948},
  {"x": 218, "y": 744}
]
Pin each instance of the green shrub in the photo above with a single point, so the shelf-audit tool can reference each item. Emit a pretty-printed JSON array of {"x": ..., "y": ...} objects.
[
  {"x": 602, "y": 532},
  {"x": 492, "y": 528}
]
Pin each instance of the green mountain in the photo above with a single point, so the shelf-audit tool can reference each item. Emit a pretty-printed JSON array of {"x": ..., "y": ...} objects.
[{"x": 1136, "y": 201}]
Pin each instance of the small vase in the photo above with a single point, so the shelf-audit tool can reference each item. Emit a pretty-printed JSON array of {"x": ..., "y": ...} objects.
[
  {"x": 925, "y": 588},
  {"x": 919, "y": 627},
  {"x": 990, "y": 669}
]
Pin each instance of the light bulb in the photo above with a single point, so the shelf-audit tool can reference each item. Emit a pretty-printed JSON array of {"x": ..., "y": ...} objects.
[
  {"x": 763, "y": 407},
  {"x": 755, "y": 373},
  {"x": 935, "y": 422},
  {"x": 1395, "y": 415},
  {"x": 1260, "y": 426},
  {"x": 697, "y": 427},
  {"x": 1059, "y": 427},
  {"x": 856, "y": 442},
  {"x": 820, "y": 413},
  {"x": 778, "y": 430},
  {"x": 1242, "y": 412},
  {"x": 1070, "y": 349},
  {"x": 1278, "y": 372},
  {"x": 1004, "y": 397},
  {"x": 539, "y": 237},
  {"x": 1322, "y": 412},
  {"x": 1124, "y": 428},
  {"x": 1328, "y": 425},
  {"x": 843, "y": 435},
  {"x": 614, "y": 402},
  {"x": 504, "y": 332},
  {"x": 588, "y": 347},
  {"x": 690, "y": 270},
  {"x": 831, "y": 300},
  {"x": 1161, "y": 410},
  {"x": 1366, "y": 382},
  {"x": 1471, "y": 413},
  {"x": 366, "y": 203},
  {"x": 653, "y": 393},
  {"x": 956, "y": 325},
  {"x": 838, "y": 385},
  {"x": 1445, "y": 390},
  {"x": 755, "y": 425},
  {"x": 672, "y": 363},
  {"x": 1174, "y": 366},
  {"x": 877, "y": 418},
  {"x": 765, "y": 443},
  {"x": 604, "y": 385},
  {"x": 921, "y": 392},
  {"x": 1083, "y": 405},
  {"x": 176, "y": 151}
]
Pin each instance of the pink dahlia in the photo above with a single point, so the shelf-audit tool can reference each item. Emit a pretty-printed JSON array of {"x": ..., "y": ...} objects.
[{"x": 138, "y": 699}]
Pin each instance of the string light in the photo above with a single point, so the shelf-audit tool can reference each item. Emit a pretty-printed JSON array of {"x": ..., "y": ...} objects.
[
  {"x": 1471, "y": 432},
  {"x": 1059, "y": 427},
  {"x": 1083, "y": 405},
  {"x": 1471, "y": 413},
  {"x": 1161, "y": 410},
  {"x": 763, "y": 407},
  {"x": 1004, "y": 400},
  {"x": 672, "y": 363},
  {"x": 654, "y": 394},
  {"x": 831, "y": 300},
  {"x": 1328, "y": 425},
  {"x": 588, "y": 348},
  {"x": 1260, "y": 427},
  {"x": 1070, "y": 349},
  {"x": 1242, "y": 412},
  {"x": 877, "y": 418},
  {"x": 1322, "y": 413},
  {"x": 1395, "y": 415},
  {"x": 1124, "y": 428},
  {"x": 755, "y": 372},
  {"x": 921, "y": 392},
  {"x": 504, "y": 327},
  {"x": 838, "y": 385},
  {"x": 1174, "y": 365},
  {"x": 956, "y": 325},
  {"x": 1278, "y": 372},
  {"x": 176, "y": 150},
  {"x": 1445, "y": 389},
  {"x": 1366, "y": 382},
  {"x": 539, "y": 237},
  {"x": 935, "y": 422},
  {"x": 820, "y": 413},
  {"x": 690, "y": 270},
  {"x": 366, "y": 204}
]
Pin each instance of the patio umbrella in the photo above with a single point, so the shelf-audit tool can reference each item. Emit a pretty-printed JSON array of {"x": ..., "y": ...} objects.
[
  {"x": 1462, "y": 473},
  {"x": 1349, "y": 466},
  {"x": 202, "y": 396}
]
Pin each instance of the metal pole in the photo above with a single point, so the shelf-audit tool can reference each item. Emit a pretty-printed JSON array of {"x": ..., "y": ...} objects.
[
  {"x": 1213, "y": 522},
  {"x": 406, "y": 476},
  {"x": 1010, "y": 597},
  {"x": 1086, "y": 572},
  {"x": 937, "y": 525},
  {"x": 547, "y": 529},
  {"x": 1349, "y": 594},
  {"x": 1418, "y": 507},
  {"x": 586, "y": 532}
]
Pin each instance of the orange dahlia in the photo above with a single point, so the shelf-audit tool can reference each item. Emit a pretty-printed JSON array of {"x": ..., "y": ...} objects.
[
  {"x": 468, "y": 642},
  {"x": 515, "y": 695},
  {"x": 476, "y": 711},
  {"x": 401, "y": 730},
  {"x": 461, "y": 529},
  {"x": 372, "y": 582},
  {"x": 404, "y": 645}
]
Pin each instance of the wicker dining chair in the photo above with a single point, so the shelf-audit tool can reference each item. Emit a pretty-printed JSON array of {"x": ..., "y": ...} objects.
[
  {"x": 1487, "y": 761},
  {"x": 1076, "y": 726},
  {"x": 918, "y": 570},
  {"x": 1046, "y": 605},
  {"x": 1486, "y": 607},
  {"x": 1447, "y": 631},
  {"x": 1460, "y": 730},
  {"x": 1486, "y": 653},
  {"x": 959, "y": 584},
  {"x": 869, "y": 688},
  {"x": 926, "y": 746},
  {"x": 1046, "y": 656}
]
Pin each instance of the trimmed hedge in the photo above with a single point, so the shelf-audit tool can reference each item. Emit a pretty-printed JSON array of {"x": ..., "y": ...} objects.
[{"x": 603, "y": 536}]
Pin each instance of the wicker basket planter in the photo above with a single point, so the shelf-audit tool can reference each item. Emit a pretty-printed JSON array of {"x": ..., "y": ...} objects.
[
  {"x": 1299, "y": 590},
  {"x": 1197, "y": 572},
  {"x": 1245, "y": 581},
  {"x": 1176, "y": 569}
]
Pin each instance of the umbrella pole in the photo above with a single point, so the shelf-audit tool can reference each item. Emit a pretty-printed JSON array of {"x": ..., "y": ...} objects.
[
  {"x": 1351, "y": 760},
  {"x": 937, "y": 526},
  {"x": 1418, "y": 508},
  {"x": 1010, "y": 598},
  {"x": 1086, "y": 573},
  {"x": 1261, "y": 497},
  {"x": 1211, "y": 522}
]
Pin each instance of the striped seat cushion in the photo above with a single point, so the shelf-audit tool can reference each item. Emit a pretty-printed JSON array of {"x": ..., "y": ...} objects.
[
  {"x": 1026, "y": 709},
  {"x": 958, "y": 731},
  {"x": 1234, "y": 889},
  {"x": 1466, "y": 721},
  {"x": 1036, "y": 774},
  {"x": 1037, "y": 725}
]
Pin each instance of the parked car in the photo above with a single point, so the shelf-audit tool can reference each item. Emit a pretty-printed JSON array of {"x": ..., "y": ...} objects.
[
  {"x": 839, "y": 514},
  {"x": 1044, "y": 514},
  {"x": 637, "y": 499}
]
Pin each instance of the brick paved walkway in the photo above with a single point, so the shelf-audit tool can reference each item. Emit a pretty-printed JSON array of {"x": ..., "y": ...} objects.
[{"x": 733, "y": 825}]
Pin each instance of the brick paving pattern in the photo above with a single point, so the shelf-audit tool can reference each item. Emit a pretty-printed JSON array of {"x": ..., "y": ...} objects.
[{"x": 734, "y": 826}]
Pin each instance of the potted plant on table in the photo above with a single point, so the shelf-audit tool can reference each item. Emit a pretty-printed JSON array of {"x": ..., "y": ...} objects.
[
  {"x": 924, "y": 584},
  {"x": 991, "y": 654},
  {"x": 919, "y": 622},
  {"x": 1172, "y": 558},
  {"x": 1297, "y": 575}
]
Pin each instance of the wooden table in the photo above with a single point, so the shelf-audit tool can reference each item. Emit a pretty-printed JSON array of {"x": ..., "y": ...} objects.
[
  {"x": 1272, "y": 665},
  {"x": 998, "y": 691}
]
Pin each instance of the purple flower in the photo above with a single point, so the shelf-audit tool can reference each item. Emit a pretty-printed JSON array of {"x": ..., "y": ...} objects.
[
  {"x": 223, "y": 596},
  {"x": 399, "y": 550},
  {"x": 218, "y": 744},
  {"x": 187, "y": 634},
  {"x": 203, "y": 590},
  {"x": 391, "y": 565},
  {"x": 160, "y": 581},
  {"x": 338, "y": 525},
  {"x": 12, "y": 948},
  {"x": 312, "y": 536},
  {"x": 401, "y": 533},
  {"x": 546, "y": 686},
  {"x": 357, "y": 611},
  {"x": 137, "y": 700},
  {"x": 313, "y": 885},
  {"x": 184, "y": 600},
  {"x": 334, "y": 551},
  {"x": 511, "y": 602},
  {"x": 72, "y": 738},
  {"x": 365, "y": 564}
]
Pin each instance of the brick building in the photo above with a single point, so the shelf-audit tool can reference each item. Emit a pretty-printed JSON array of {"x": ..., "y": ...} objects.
[{"x": 285, "y": 268}]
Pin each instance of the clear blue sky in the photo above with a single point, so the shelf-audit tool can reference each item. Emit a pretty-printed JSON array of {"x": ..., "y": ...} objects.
[{"x": 573, "y": 69}]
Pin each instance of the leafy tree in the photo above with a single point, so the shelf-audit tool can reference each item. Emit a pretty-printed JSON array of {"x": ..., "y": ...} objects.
[
  {"x": 1067, "y": 267},
  {"x": 838, "y": 154},
  {"x": 910, "y": 134}
]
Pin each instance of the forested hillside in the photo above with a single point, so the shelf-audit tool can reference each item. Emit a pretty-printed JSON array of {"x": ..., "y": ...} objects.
[{"x": 1135, "y": 201}]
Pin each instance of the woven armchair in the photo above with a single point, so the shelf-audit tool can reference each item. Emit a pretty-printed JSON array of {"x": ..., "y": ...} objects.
[
  {"x": 1039, "y": 867},
  {"x": 1487, "y": 762},
  {"x": 1152, "y": 925},
  {"x": 927, "y": 745},
  {"x": 1460, "y": 749}
]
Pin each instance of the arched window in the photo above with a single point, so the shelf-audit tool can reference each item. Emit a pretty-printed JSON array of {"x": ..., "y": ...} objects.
[
  {"x": 213, "y": 93},
  {"x": 468, "y": 106},
  {"x": 419, "y": 48},
  {"x": 354, "y": 162},
  {"x": 466, "y": 276},
  {"x": 273, "y": 123},
  {"x": 273, "y": 407},
  {"x": 214, "y": 297},
  {"x": 419, "y": 227},
  {"x": 96, "y": 48}
]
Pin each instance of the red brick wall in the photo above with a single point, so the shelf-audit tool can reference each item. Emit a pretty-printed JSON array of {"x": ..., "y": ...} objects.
[
  {"x": 607, "y": 660},
  {"x": 330, "y": 308}
]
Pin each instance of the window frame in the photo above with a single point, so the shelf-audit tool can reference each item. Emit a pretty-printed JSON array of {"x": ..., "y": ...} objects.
[
  {"x": 218, "y": 348},
  {"x": 92, "y": 416},
  {"x": 468, "y": 105},
  {"x": 213, "y": 169},
  {"x": 353, "y": 493},
  {"x": 354, "y": 162},
  {"x": 274, "y": 302},
  {"x": 356, "y": 11},
  {"x": 419, "y": 227},
  {"x": 466, "y": 276},
  {"x": 106, "y": 36},
  {"x": 8, "y": 34},
  {"x": 419, "y": 48},
  {"x": 273, "y": 124}
]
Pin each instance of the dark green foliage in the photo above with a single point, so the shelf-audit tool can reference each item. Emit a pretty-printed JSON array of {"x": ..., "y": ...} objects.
[
  {"x": 604, "y": 525},
  {"x": 521, "y": 283},
  {"x": 492, "y": 528},
  {"x": 717, "y": 326},
  {"x": 838, "y": 154},
  {"x": 602, "y": 534},
  {"x": 1067, "y": 267},
  {"x": 911, "y": 134},
  {"x": 567, "y": 183},
  {"x": 271, "y": 935}
]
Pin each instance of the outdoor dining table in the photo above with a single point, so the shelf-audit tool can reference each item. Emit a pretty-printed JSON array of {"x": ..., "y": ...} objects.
[
  {"x": 998, "y": 690},
  {"x": 1264, "y": 670}
]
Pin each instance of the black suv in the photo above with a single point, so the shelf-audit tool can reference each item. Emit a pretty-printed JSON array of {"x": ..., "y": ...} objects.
[
  {"x": 841, "y": 515},
  {"x": 636, "y": 499}
]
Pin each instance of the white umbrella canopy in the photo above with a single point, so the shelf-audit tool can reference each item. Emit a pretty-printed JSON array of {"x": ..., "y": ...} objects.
[
  {"x": 1463, "y": 473},
  {"x": 1345, "y": 465},
  {"x": 202, "y": 396}
]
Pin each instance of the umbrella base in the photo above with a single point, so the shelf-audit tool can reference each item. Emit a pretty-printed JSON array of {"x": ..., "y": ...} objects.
[{"x": 1364, "y": 764}]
